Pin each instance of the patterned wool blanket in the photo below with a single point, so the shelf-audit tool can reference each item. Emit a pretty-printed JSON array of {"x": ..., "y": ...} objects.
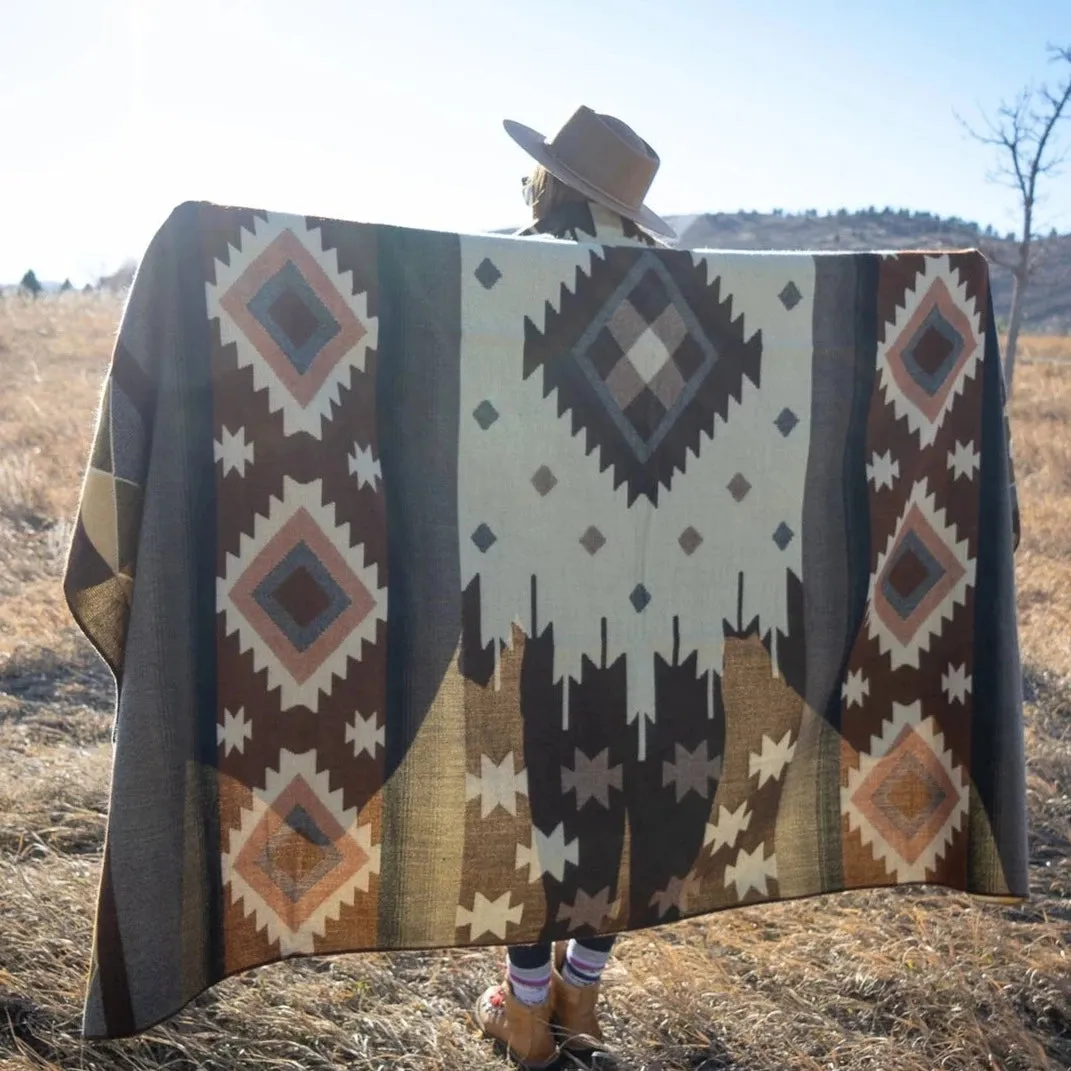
[{"x": 467, "y": 590}]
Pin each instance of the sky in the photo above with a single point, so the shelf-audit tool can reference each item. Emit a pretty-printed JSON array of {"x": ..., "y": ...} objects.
[{"x": 115, "y": 111}]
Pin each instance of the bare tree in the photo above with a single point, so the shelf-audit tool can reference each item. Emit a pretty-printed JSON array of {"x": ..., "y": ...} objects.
[{"x": 1023, "y": 132}]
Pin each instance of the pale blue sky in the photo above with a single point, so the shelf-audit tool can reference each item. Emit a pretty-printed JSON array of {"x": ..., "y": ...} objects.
[{"x": 114, "y": 111}]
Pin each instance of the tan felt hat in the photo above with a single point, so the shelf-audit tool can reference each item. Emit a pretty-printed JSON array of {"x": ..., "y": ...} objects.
[{"x": 602, "y": 158}]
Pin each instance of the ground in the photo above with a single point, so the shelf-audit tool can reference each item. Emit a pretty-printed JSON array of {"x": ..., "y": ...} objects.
[{"x": 903, "y": 980}]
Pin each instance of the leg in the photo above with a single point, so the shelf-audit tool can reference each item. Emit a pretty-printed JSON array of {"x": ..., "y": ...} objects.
[
  {"x": 576, "y": 993},
  {"x": 528, "y": 972},
  {"x": 517, "y": 1013},
  {"x": 582, "y": 961},
  {"x": 670, "y": 793},
  {"x": 575, "y": 782}
]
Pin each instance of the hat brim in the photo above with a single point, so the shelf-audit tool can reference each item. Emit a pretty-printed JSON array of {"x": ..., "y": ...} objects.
[{"x": 535, "y": 144}]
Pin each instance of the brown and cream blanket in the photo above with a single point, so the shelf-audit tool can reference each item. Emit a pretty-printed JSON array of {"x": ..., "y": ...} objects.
[{"x": 465, "y": 590}]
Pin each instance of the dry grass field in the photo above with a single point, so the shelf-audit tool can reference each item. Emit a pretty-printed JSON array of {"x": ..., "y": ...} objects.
[{"x": 891, "y": 981}]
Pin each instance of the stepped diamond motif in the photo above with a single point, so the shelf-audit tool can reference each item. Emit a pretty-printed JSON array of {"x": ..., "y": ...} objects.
[
  {"x": 300, "y": 597},
  {"x": 921, "y": 577},
  {"x": 931, "y": 349},
  {"x": 303, "y": 599},
  {"x": 293, "y": 318},
  {"x": 646, "y": 356},
  {"x": 298, "y": 854},
  {"x": 641, "y": 371},
  {"x": 908, "y": 795}
]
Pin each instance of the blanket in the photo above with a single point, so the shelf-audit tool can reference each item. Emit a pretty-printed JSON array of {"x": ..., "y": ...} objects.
[{"x": 467, "y": 590}]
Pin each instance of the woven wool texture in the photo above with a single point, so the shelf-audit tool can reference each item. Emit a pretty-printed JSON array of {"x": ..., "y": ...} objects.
[{"x": 466, "y": 590}]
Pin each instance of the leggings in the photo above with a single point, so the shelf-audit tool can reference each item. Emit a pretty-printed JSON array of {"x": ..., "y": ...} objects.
[{"x": 528, "y": 957}]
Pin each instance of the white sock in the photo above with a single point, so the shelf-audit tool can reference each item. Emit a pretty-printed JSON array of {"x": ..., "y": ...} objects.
[
  {"x": 530, "y": 985},
  {"x": 583, "y": 966}
]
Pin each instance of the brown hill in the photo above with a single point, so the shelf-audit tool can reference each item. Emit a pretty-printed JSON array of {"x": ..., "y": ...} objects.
[{"x": 1047, "y": 307}]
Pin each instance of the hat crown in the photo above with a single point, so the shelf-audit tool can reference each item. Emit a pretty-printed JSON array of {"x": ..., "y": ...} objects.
[
  {"x": 601, "y": 158},
  {"x": 608, "y": 154}
]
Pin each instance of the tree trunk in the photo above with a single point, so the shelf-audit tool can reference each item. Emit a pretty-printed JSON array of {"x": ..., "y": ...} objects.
[{"x": 1015, "y": 320}]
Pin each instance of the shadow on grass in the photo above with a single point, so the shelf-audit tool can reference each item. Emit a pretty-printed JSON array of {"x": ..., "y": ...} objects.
[{"x": 73, "y": 676}]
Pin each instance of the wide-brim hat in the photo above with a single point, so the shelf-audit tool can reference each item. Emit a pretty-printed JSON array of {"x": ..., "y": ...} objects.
[{"x": 602, "y": 158}]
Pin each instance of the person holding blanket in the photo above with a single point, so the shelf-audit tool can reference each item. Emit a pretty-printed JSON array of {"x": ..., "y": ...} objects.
[{"x": 589, "y": 185}]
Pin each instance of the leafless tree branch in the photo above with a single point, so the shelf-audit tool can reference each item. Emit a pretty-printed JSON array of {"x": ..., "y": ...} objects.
[
  {"x": 1040, "y": 254},
  {"x": 997, "y": 256},
  {"x": 1023, "y": 133}
]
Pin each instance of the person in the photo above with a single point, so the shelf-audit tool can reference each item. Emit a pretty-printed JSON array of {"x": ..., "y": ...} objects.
[{"x": 589, "y": 185}]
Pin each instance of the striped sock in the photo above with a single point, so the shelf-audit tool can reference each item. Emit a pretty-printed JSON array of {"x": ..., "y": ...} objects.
[
  {"x": 583, "y": 966},
  {"x": 530, "y": 985}
]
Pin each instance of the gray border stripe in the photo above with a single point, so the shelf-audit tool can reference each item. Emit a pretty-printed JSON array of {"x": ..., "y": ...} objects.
[
  {"x": 418, "y": 388},
  {"x": 835, "y": 546}
]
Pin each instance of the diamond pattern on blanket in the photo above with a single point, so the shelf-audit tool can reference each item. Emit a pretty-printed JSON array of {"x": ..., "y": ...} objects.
[
  {"x": 303, "y": 599},
  {"x": 922, "y": 575},
  {"x": 644, "y": 355},
  {"x": 300, "y": 597},
  {"x": 592, "y": 540},
  {"x": 485, "y": 414},
  {"x": 908, "y": 796},
  {"x": 933, "y": 345},
  {"x": 298, "y": 854},
  {"x": 790, "y": 296},
  {"x": 739, "y": 487},
  {"x": 783, "y": 536},
  {"x": 488, "y": 273},
  {"x": 544, "y": 481},
  {"x": 295, "y": 316},
  {"x": 294, "y": 319},
  {"x": 786, "y": 422},
  {"x": 297, "y": 321},
  {"x": 690, "y": 540}
]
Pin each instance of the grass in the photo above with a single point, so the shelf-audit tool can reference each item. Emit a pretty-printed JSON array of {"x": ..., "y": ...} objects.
[{"x": 911, "y": 980}]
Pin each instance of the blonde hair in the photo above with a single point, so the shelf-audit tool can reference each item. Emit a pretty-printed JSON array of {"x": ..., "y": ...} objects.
[{"x": 549, "y": 193}]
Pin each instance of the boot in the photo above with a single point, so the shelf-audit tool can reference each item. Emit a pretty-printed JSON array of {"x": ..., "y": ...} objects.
[
  {"x": 575, "y": 1022},
  {"x": 523, "y": 1028}
]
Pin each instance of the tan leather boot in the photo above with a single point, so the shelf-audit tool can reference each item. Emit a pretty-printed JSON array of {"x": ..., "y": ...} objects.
[
  {"x": 574, "y": 1019},
  {"x": 523, "y": 1028}
]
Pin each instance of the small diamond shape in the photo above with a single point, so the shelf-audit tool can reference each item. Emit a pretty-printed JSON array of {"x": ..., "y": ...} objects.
[
  {"x": 790, "y": 296},
  {"x": 289, "y": 310},
  {"x": 298, "y": 854},
  {"x": 593, "y": 540},
  {"x": 484, "y": 538},
  {"x": 485, "y": 414},
  {"x": 739, "y": 487},
  {"x": 783, "y": 536},
  {"x": 639, "y": 598},
  {"x": 786, "y": 421},
  {"x": 301, "y": 597},
  {"x": 544, "y": 481},
  {"x": 909, "y": 573},
  {"x": 690, "y": 540},
  {"x": 487, "y": 273},
  {"x": 294, "y": 317}
]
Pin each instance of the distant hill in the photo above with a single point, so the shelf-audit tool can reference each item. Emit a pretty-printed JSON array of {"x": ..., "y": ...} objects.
[
  {"x": 1047, "y": 309},
  {"x": 1048, "y": 301}
]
